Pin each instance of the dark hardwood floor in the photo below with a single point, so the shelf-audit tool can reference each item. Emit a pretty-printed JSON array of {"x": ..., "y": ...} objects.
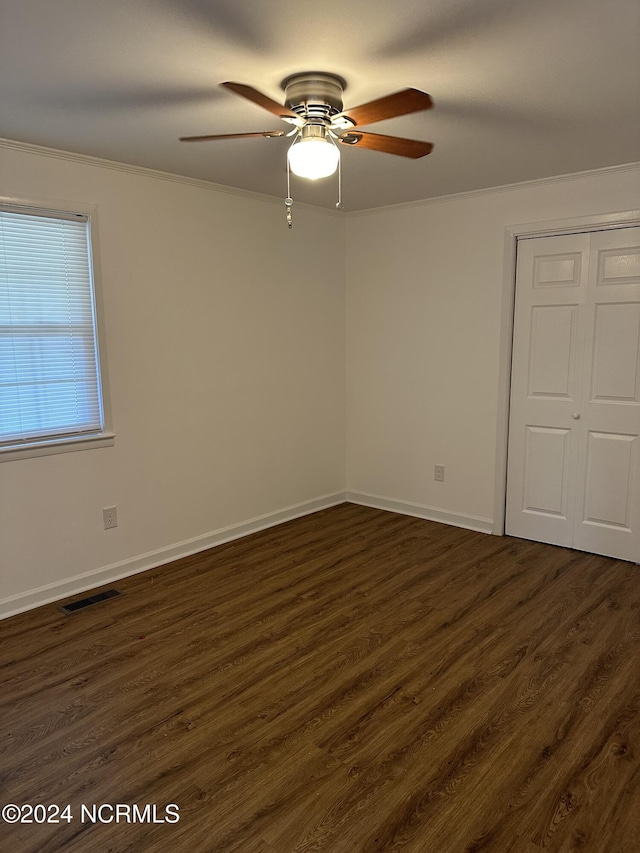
[{"x": 353, "y": 680}]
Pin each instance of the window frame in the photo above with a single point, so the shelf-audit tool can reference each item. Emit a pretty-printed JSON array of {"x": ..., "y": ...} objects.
[{"x": 30, "y": 447}]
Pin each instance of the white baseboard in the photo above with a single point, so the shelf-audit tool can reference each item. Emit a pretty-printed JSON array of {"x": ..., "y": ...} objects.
[
  {"x": 151, "y": 560},
  {"x": 108, "y": 574},
  {"x": 429, "y": 513}
]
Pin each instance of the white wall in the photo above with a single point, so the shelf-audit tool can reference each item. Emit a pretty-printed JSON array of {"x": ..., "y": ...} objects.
[
  {"x": 226, "y": 362},
  {"x": 424, "y": 308},
  {"x": 226, "y": 354}
]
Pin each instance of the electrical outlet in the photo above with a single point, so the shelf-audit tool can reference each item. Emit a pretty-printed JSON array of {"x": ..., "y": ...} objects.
[
  {"x": 110, "y": 517},
  {"x": 438, "y": 473}
]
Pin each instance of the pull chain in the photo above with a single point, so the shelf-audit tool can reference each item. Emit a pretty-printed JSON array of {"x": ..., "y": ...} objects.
[
  {"x": 339, "y": 202},
  {"x": 288, "y": 200}
]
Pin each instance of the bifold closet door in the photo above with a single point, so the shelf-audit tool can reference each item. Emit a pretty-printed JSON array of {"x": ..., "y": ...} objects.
[{"x": 574, "y": 452}]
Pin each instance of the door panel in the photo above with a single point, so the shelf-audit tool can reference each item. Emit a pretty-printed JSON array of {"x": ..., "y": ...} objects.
[
  {"x": 546, "y": 471},
  {"x": 619, "y": 265},
  {"x": 615, "y": 376},
  {"x": 608, "y": 483},
  {"x": 561, "y": 268},
  {"x": 574, "y": 450},
  {"x": 546, "y": 371},
  {"x": 609, "y": 462},
  {"x": 552, "y": 351}
]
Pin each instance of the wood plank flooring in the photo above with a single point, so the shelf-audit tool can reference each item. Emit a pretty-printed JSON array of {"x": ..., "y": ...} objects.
[{"x": 354, "y": 680}]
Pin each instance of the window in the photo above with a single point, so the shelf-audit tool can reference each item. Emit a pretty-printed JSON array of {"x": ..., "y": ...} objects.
[{"x": 51, "y": 395}]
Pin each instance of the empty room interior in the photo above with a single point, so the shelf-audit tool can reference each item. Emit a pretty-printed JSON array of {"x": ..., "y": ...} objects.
[{"x": 319, "y": 467}]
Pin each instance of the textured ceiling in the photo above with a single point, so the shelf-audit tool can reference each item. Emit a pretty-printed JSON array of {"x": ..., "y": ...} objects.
[{"x": 522, "y": 89}]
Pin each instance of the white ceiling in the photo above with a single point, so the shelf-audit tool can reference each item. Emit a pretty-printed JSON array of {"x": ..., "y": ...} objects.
[{"x": 523, "y": 89}]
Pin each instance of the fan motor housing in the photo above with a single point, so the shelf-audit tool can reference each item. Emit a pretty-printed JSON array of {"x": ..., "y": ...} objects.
[{"x": 314, "y": 89}]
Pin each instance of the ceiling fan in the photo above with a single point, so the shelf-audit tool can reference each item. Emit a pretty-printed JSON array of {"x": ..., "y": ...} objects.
[{"x": 313, "y": 105}]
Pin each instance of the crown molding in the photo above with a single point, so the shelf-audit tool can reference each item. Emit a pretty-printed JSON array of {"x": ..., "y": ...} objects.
[
  {"x": 144, "y": 171},
  {"x": 535, "y": 182}
]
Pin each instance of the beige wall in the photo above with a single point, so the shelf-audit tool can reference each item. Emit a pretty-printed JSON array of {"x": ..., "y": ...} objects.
[
  {"x": 226, "y": 362},
  {"x": 425, "y": 302}
]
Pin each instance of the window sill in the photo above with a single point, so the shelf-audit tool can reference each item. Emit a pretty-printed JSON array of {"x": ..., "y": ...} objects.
[{"x": 27, "y": 450}]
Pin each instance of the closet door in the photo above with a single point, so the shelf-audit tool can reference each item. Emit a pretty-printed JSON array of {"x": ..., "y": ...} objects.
[
  {"x": 574, "y": 464},
  {"x": 546, "y": 373},
  {"x": 608, "y": 484}
]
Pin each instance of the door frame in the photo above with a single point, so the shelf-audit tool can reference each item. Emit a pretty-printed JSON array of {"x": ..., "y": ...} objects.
[{"x": 512, "y": 233}]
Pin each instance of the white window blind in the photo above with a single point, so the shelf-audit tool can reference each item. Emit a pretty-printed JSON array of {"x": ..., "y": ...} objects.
[{"x": 49, "y": 371}]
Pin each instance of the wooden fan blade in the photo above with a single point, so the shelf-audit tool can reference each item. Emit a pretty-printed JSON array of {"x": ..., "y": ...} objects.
[
  {"x": 267, "y": 133},
  {"x": 261, "y": 100},
  {"x": 399, "y": 104},
  {"x": 413, "y": 148}
]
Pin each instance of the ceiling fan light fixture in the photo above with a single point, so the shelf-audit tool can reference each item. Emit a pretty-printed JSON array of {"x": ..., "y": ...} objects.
[
  {"x": 313, "y": 156},
  {"x": 313, "y": 105}
]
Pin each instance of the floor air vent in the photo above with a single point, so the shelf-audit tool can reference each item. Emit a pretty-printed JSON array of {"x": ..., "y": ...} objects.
[{"x": 73, "y": 606}]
